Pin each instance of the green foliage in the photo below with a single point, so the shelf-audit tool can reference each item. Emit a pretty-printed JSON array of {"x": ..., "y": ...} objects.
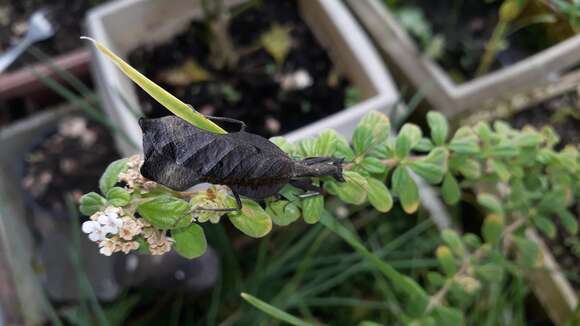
[
  {"x": 520, "y": 181},
  {"x": 189, "y": 241},
  {"x": 111, "y": 174},
  {"x": 166, "y": 212}
]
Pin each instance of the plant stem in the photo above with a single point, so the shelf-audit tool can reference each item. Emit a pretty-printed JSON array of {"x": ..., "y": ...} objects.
[{"x": 492, "y": 48}]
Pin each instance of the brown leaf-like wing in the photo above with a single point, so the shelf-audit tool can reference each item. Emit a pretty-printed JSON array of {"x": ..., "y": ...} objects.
[{"x": 179, "y": 155}]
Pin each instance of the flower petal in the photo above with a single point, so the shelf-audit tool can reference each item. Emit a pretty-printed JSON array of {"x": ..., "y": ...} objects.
[{"x": 90, "y": 226}]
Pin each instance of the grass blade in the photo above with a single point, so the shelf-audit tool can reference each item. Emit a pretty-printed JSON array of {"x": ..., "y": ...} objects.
[
  {"x": 170, "y": 102},
  {"x": 273, "y": 311}
]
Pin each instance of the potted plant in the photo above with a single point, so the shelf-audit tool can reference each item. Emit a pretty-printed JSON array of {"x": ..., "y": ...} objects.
[
  {"x": 128, "y": 26},
  {"x": 556, "y": 107},
  {"x": 486, "y": 61}
]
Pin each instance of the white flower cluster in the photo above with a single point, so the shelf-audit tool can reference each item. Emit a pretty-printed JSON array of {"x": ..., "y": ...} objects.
[
  {"x": 116, "y": 232},
  {"x": 133, "y": 178}
]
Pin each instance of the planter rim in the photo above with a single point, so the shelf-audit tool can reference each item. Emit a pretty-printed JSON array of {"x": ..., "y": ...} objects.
[
  {"x": 110, "y": 82},
  {"x": 445, "y": 94}
]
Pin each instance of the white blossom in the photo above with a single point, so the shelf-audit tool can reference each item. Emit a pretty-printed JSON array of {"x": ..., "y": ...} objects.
[
  {"x": 94, "y": 230},
  {"x": 297, "y": 80},
  {"x": 110, "y": 220}
]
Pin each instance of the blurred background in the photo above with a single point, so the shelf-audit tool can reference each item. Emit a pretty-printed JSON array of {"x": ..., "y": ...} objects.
[{"x": 285, "y": 67}]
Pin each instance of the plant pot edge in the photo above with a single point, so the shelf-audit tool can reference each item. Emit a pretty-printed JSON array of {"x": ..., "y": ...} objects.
[{"x": 442, "y": 92}]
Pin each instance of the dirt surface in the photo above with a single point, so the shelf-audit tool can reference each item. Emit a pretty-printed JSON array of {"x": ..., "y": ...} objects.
[
  {"x": 255, "y": 90},
  {"x": 68, "y": 161},
  {"x": 67, "y": 14}
]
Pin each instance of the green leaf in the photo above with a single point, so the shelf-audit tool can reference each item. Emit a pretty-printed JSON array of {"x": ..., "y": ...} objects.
[
  {"x": 528, "y": 139},
  {"x": 484, "y": 131},
  {"x": 162, "y": 96},
  {"x": 471, "y": 169},
  {"x": 91, "y": 203},
  {"x": 529, "y": 250},
  {"x": 362, "y": 139},
  {"x": 568, "y": 221},
  {"x": 283, "y": 212},
  {"x": 500, "y": 169},
  {"x": 379, "y": 123},
  {"x": 439, "y": 127},
  {"x": 312, "y": 208},
  {"x": 504, "y": 149},
  {"x": 189, "y": 241},
  {"x": 326, "y": 143},
  {"x": 118, "y": 197},
  {"x": 424, "y": 145},
  {"x": 251, "y": 220},
  {"x": 277, "y": 42},
  {"x": 308, "y": 147},
  {"x": 453, "y": 240},
  {"x": 491, "y": 272},
  {"x": 373, "y": 165},
  {"x": 433, "y": 167},
  {"x": 379, "y": 195},
  {"x": 471, "y": 240},
  {"x": 273, "y": 311},
  {"x": 492, "y": 228},
  {"x": 111, "y": 175},
  {"x": 343, "y": 149},
  {"x": 166, "y": 212},
  {"x": 546, "y": 226},
  {"x": 284, "y": 145},
  {"x": 405, "y": 187},
  {"x": 491, "y": 203},
  {"x": 448, "y": 316},
  {"x": 446, "y": 260},
  {"x": 464, "y": 141},
  {"x": 450, "y": 190},
  {"x": 408, "y": 137},
  {"x": 353, "y": 191}
]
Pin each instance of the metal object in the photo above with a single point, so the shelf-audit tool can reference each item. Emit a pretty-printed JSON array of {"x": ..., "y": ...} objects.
[{"x": 40, "y": 28}]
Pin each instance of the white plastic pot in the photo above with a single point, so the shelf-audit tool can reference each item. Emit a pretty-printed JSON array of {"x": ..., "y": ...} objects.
[{"x": 125, "y": 25}]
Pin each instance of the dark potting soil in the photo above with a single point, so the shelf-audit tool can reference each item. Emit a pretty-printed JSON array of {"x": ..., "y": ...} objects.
[
  {"x": 251, "y": 91},
  {"x": 68, "y": 161},
  {"x": 467, "y": 25},
  {"x": 563, "y": 114},
  {"x": 68, "y": 14}
]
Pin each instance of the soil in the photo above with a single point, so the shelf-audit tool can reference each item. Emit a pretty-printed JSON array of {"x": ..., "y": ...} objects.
[
  {"x": 251, "y": 90},
  {"x": 69, "y": 160},
  {"x": 563, "y": 114},
  {"x": 467, "y": 25},
  {"x": 68, "y": 14}
]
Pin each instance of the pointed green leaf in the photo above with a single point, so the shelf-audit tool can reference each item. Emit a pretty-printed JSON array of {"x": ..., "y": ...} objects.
[
  {"x": 111, "y": 175},
  {"x": 273, "y": 311},
  {"x": 189, "y": 241},
  {"x": 491, "y": 203},
  {"x": 277, "y": 41},
  {"x": 546, "y": 226},
  {"x": 500, "y": 169},
  {"x": 568, "y": 221}
]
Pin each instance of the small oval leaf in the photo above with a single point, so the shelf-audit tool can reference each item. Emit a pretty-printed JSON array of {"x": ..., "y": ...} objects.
[
  {"x": 190, "y": 241},
  {"x": 111, "y": 175},
  {"x": 251, "y": 220}
]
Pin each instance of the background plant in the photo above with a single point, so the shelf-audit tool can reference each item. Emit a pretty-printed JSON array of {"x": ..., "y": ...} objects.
[{"x": 522, "y": 182}]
